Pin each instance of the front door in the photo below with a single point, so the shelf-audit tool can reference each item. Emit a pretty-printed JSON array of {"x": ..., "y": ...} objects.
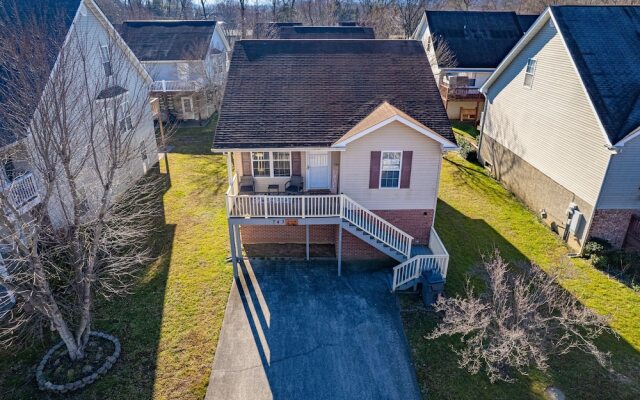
[
  {"x": 318, "y": 170},
  {"x": 187, "y": 108}
]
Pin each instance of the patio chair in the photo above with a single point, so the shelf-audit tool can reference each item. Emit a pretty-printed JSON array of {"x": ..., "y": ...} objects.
[
  {"x": 294, "y": 185},
  {"x": 247, "y": 184}
]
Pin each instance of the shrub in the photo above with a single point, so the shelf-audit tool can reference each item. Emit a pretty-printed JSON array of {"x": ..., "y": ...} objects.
[
  {"x": 467, "y": 150},
  {"x": 622, "y": 264}
]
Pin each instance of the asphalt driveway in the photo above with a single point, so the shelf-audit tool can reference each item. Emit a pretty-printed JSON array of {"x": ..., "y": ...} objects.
[{"x": 294, "y": 330}]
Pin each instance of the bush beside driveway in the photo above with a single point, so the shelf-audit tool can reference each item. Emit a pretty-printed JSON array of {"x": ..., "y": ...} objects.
[{"x": 474, "y": 216}]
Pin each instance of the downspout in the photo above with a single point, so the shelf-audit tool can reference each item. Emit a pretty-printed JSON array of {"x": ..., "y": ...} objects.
[
  {"x": 595, "y": 206},
  {"x": 484, "y": 119}
]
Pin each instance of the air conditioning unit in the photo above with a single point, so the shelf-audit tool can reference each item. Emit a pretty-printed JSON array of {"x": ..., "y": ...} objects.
[{"x": 577, "y": 222}]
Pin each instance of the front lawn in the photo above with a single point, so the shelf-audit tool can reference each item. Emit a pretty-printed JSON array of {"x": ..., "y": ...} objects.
[
  {"x": 465, "y": 128},
  {"x": 169, "y": 325},
  {"x": 474, "y": 216}
]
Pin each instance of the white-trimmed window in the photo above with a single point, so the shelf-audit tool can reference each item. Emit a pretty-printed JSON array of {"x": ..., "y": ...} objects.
[
  {"x": 266, "y": 164},
  {"x": 105, "y": 57},
  {"x": 530, "y": 72},
  {"x": 124, "y": 115},
  {"x": 391, "y": 164},
  {"x": 261, "y": 164},
  {"x": 281, "y": 163}
]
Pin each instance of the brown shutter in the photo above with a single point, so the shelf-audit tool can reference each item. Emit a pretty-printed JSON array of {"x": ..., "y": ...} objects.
[
  {"x": 295, "y": 163},
  {"x": 246, "y": 163},
  {"x": 374, "y": 170},
  {"x": 405, "y": 175}
]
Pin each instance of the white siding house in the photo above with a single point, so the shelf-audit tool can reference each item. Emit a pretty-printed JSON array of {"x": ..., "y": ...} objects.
[
  {"x": 543, "y": 133},
  {"x": 188, "y": 61}
]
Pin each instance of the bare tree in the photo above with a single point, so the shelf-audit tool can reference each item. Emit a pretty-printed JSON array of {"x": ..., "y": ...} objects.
[
  {"x": 521, "y": 321},
  {"x": 409, "y": 12},
  {"x": 85, "y": 144}
]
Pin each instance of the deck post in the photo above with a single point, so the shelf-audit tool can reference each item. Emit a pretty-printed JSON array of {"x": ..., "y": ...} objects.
[
  {"x": 307, "y": 242},
  {"x": 340, "y": 248},
  {"x": 232, "y": 245},
  {"x": 238, "y": 241}
]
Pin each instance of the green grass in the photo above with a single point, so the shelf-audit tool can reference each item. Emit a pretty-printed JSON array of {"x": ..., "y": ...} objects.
[
  {"x": 465, "y": 128},
  {"x": 169, "y": 325},
  {"x": 476, "y": 215}
]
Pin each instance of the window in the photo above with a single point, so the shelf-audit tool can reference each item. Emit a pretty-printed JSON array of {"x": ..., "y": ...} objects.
[
  {"x": 143, "y": 151},
  {"x": 261, "y": 164},
  {"x": 106, "y": 60},
  {"x": 390, "y": 169},
  {"x": 281, "y": 163},
  {"x": 183, "y": 71},
  {"x": 271, "y": 164},
  {"x": 124, "y": 115},
  {"x": 530, "y": 72}
]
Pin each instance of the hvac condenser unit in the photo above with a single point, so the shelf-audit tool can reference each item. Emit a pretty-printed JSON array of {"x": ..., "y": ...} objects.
[{"x": 577, "y": 220}]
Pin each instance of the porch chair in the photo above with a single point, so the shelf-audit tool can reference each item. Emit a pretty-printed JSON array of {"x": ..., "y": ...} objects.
[
  {"x": 247, "y": 184},
  {"x": 294, "y": 185}
]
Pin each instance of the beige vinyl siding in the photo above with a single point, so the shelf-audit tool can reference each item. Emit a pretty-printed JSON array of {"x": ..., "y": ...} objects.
[
  {"x": 355, "y": 164},
  {"x": 550, "y": 125},
  {"x": 621, "y": 187}
]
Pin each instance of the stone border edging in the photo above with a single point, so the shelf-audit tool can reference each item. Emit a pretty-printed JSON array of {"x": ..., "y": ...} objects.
[{"x": 44, "y": 384}]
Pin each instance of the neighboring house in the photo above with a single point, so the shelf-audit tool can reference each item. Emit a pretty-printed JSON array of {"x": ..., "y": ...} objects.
[
  {"x": 188, "y": 61},
  {"x": 295, "y": 30},
  {"x": 464, "y": 48},
  {"x": 562, "y": 122},
  {"x": 325, "y": 32},
  {"x": 338, "y": 143},
  {"x": 72, "y": 25}
]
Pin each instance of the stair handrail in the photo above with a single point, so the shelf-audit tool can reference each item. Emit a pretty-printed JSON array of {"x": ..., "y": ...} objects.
[{"x": 403, "y": 240}]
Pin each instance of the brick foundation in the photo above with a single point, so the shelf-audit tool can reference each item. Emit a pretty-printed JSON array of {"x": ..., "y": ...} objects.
[
  {"x": 255, "y": 234},
  {"x": 612, "y": 225},
  {"x": 416, "y": 223}
]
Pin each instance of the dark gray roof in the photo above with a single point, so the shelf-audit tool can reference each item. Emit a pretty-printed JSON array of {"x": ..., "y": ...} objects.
[
  {"x": 303, "y": 93},
  {"x": 165, "y": 40},
  {"x": 526, "y": 21},
  {"x": 604, "y": 42},
  {"x": 477, "y": 39},
  {"x": 268, "y": 30},
  {"x": 110, "y": 92},
  {"x": 55, "y": 18},
  {"x": 325, "y": 32}
]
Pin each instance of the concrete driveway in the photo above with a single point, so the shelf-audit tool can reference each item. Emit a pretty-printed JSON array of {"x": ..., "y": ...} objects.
[{"x": 295, "y": 330}]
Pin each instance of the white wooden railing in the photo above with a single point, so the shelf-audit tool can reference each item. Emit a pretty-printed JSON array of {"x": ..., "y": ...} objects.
[
  {"x": 375, "y": 226},
  {"x": 176, "y": 86},
  {"x": 413, "y": 267},
  {"x": 304, "y": 206},
  {"x": 22, "y": 190}
]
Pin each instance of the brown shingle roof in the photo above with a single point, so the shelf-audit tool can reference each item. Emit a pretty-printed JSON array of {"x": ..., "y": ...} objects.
[{"x": 309, "y": 93}]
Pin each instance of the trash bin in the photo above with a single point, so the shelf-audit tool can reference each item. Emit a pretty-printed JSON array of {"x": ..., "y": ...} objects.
[{"x": 432, "y": 287}]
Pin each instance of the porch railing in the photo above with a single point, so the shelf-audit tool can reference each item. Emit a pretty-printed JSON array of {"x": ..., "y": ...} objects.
[
  {"x": 22, "y": 190},
  {"x": 304, "y": 206},
  {"x": 176, "y": 86},
  {"x": 412, "y": 269}
]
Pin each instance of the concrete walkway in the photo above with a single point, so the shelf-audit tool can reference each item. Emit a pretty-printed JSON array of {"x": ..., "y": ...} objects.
[{"x": 294, "y": 330}]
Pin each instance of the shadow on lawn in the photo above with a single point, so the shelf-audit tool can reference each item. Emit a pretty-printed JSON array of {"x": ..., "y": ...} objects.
[
  {"x": 576, "y": 374},
  {"x": 135, "y": 319},
  {"x": 192, "y": 138}
]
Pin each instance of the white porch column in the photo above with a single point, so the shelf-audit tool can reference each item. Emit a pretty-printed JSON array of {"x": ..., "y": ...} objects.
[
  {"x": 229, "y": 168},
  {"x": 307, "y": 242}
]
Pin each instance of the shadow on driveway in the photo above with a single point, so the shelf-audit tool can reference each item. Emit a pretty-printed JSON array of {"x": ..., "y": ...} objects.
[{"x": 295, "y": 330}]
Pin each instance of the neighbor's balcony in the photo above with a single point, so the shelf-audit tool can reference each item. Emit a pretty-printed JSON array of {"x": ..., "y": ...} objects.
[
  {"x": 449, "y": 93},
  {"x": 22, "y": 192},
  {"x": 177, "y": 86}
]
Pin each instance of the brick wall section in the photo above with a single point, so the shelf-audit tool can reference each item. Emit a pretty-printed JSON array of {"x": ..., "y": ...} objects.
[
  {"x": 254, "y": 234},
  {"x": 612, "y": 225},
  {"x": 416, "y": 223}
]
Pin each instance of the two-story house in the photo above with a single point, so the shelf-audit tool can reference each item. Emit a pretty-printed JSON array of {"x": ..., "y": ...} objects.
[
  {"x": 188, "y": 61},
  {"x": 345, "y": 149},
  {"x": 562, "y": 122},
  {"x": 86, "y": 69},
  {"x": 464, "y": 48}
]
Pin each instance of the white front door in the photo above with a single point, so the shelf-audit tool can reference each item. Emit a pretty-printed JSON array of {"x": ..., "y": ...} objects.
[
  {"x": 187, "y": 108},
  {"x": 318, "y": 170}
]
